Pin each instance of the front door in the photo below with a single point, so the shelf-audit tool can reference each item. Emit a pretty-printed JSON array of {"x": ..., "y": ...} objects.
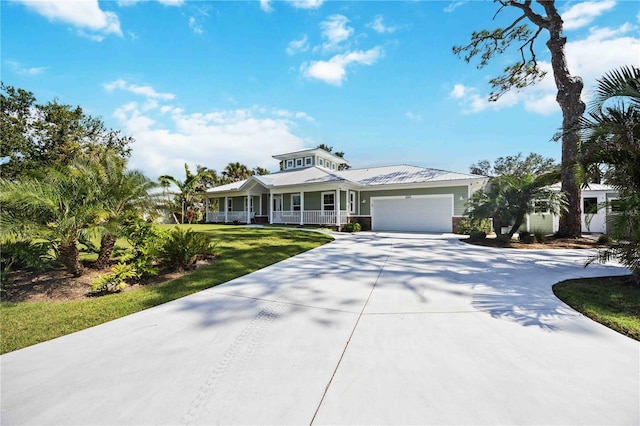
[{"x": 276, "y": 209}]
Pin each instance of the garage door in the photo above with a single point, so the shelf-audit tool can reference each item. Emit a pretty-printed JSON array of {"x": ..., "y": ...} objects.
[{"x": 415, "y": 214}]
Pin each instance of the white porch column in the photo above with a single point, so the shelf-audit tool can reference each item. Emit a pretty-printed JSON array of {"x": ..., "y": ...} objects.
[
  {"x": 206, "y": 209},
  {"x": 248, "y": 209},
  {"x": 270, "y": 210},
  {"x": 301, "y": 208},
  {"x": 337, "y": 207},
  {"x": 226, "y": 210},
  {"x": 260, "y": 205}
]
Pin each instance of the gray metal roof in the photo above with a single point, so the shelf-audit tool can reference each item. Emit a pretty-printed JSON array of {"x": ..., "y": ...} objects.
[
  {"x": 374, "y": 176},
  {"x": 402, "y": 174}
]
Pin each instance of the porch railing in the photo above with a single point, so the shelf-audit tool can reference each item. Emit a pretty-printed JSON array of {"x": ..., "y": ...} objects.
[{"x": 309, "y": 217}]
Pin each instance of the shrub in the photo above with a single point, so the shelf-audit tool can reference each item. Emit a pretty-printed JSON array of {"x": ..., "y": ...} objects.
[
  {"x": 477, "y": 236},
  {"x": 468, "y": 225},
  {"x": 604, "y": 240},
  {"x": 352, "y": 227},
  {"x": 114, "y": 281},
  {"x": 503, "y": 238},
  {"x": 540, "y": 235},
  {"x": 183, "y": 248},
  {"x": 526, "y": 237},
  {"x": 24, "y": 254}
]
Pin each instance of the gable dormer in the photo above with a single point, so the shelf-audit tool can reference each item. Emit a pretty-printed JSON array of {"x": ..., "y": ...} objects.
[{"x": 309, "y": 158}]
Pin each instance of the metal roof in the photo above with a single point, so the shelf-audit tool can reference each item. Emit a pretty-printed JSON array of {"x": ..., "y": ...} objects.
[{"x": 402, "y": 174}]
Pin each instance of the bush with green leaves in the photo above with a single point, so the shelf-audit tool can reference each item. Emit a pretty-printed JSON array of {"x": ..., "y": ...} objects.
[
  {"x": 604, "y": 240},
  {"x": 352, "y": 227},
  {"x": 23, "y": 254},
  {"x": 476, "y": 236},
  {"x": 469, "y": 225},
  {"x": 183, "y": 248},
  {"x": 540, "y": 235},
  {"x": 527, "y": 237},
  {"x": 145, "y": 240},
  {"x": 115, "y": 280}
]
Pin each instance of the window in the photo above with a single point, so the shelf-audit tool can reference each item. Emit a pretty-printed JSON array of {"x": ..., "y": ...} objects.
[
  {"x": 328, "y": 201},
  {"x": 614, "y": 205},
  {"x": 229, "y": 204},
  {"x": 308, "y": 161},
  {"x": 250, "y": 209},
  {"x": 298, "y": 162},
  {"x": 540, "y": 207},
  {"x": 590, "y": 205},
  {"x": 320, "y": 162},
  {"x": 333, "y": 166},
  {"x": 289, "y": 164},
  {"x": 352, "y": 202},
  {"x": 295, "y": 202}
]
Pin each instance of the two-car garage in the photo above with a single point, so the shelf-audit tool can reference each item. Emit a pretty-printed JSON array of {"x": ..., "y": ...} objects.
[{"x": 417, "y": 213}]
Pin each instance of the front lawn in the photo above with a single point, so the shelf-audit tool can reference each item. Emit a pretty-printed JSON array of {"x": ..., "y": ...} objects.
[
  {"x": 239, "y": 251},
  {"x": 611, "y": 301}
]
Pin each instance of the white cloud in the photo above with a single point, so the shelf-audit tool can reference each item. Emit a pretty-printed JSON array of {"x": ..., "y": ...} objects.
[
  {"x": 193, "y": 24},
  {"x": 454, "y": 5},
  {"x": 306, "y": 4},
  {"x": 612, "y": 47},
  {"x": 378, "y": 26},
  {"x": 414, "y": 117},
  {"x": 335, "y": 31},
  {"x": 85, "y": 15},
  {"x": 265, "y": 5},
  {"x": 333, "y": 71},
  {"x": 167, "y": 137},
  {"x": 147, "y": 91},
  {"x": 584, "y": 13},
  {"x": 22, "y": 70},
  {"x": 296, "y": 46},
  {"x": 171, "y": 2}
]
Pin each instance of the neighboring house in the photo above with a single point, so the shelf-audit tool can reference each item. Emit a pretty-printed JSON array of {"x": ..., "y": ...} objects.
[
  {"x": 595, "y": 204},
  {"x": 310, "y": 190}
]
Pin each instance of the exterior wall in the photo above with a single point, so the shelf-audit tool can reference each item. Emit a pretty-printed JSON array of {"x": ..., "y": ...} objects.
[
  {"x": 541, "y": 222},
  {"x": 312, "y": 200},
  {"x": 457, "y": 191}
]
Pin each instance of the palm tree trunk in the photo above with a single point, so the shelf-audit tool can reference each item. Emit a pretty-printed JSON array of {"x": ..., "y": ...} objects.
[
  {"x": 70, "y": 257},
  {"x": 107, "y": 243}
]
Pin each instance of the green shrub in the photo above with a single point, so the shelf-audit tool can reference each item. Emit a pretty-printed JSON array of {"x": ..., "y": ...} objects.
[
  {"x": 467, "y": 225},
  {"x": 183, "y": 248},
  {"x": 23, "y": 254},
  {"x": 540, "y": 235},
  {"x": 604, "y": 240},
  {"x": 503, "y": 238},
  {"x": 477, "y": 236},
  {"x": 352, "y": 227},
  {"x": 114, "y": 281},
  {"x": 526, "y": 237}
]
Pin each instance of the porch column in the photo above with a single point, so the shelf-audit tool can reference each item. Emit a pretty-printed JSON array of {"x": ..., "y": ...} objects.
[
  {"x": 248, "y": 209},
  {"x": 337, "y": 207},
  {"x": 206, "y": 209},
  {"x": 301, "y": 208},
  {"x": 226, "y": 210},
  {"x": 260, "y": 205},
  {"x": 270, "y": 210}
]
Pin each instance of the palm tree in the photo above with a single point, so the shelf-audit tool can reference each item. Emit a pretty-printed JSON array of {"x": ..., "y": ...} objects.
[
  {"x": 125, "y": 193},
  {"x": 511, "y": 197},
  {"x": 235, "y": 172},
  {"x": 192, "y": 184},
  {"x": 611, "y": 137},
  {"x": 260, "y": 171},
  {"x": 58, "y": 205}
]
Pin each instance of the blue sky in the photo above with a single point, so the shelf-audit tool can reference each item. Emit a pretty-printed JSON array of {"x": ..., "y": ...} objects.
[{"x": 216, "y": 82}]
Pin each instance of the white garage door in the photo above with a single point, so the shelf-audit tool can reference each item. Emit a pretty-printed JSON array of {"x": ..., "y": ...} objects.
[{"x": 415, "y": 214}]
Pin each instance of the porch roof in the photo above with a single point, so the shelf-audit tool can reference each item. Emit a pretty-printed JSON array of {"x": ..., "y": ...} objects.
[{"x": 369, "y": 177}]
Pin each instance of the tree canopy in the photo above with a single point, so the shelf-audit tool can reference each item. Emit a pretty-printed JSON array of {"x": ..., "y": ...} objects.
[
  {"x": 38, "y": 136},
  {"x": 518, "y": 37}
]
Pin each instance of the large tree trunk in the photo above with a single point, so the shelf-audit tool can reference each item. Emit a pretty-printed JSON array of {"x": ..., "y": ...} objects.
[
  {"x": 70, "y": 257},
  {"x": 107, "y": 243},
  {"x": 568, "y": 97}
]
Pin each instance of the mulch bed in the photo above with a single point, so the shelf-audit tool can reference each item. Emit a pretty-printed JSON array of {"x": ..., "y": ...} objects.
[{"x": 550, "y": 243}]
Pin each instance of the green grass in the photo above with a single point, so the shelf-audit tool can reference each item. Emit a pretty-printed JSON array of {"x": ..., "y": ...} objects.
[
  {"x": 611, "y": 301},
  {"x": 239, "y": 251}
]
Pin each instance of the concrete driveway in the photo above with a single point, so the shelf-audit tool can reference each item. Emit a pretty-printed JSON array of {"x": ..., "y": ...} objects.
[{"x": 370, "y": 329}]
